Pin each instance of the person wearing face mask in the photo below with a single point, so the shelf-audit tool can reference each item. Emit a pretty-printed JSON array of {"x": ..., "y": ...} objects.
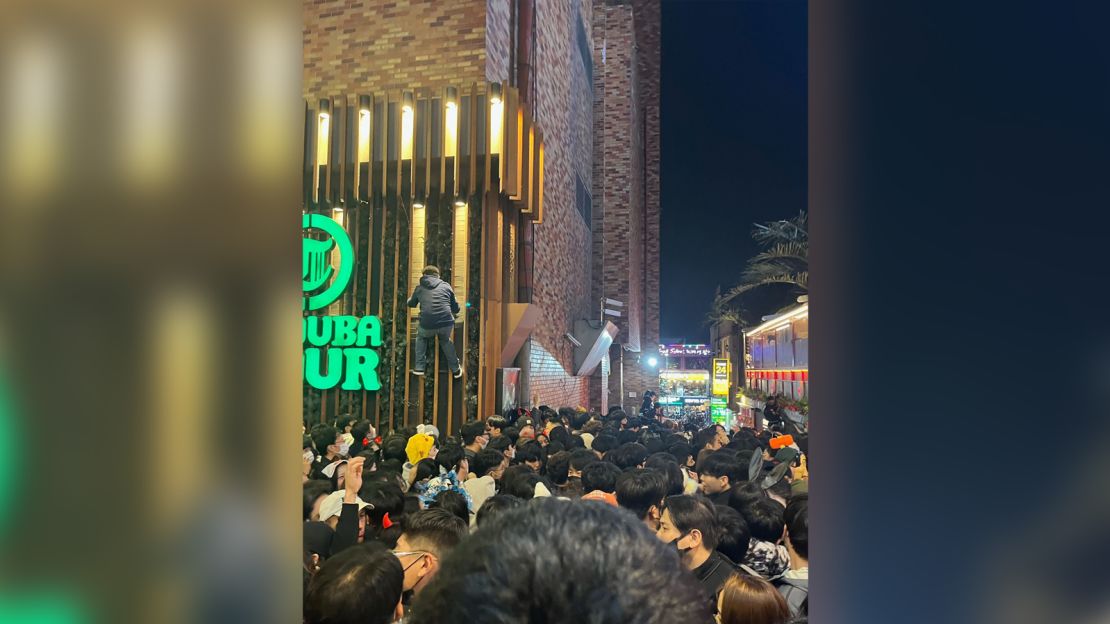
[
  {"x": 330, "y": 446},
  {"x": 428, "y": 536},
  {"x": 689, "y": 524},
  {"x": 487, "y": 468},
  {"x": 474, "y": 438}
]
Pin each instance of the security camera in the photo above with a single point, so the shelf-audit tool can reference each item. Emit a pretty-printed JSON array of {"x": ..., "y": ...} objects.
[{"x": 574, "y": 341}]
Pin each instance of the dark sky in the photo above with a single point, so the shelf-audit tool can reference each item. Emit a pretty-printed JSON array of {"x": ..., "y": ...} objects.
[{"x": 733, "y": 143}]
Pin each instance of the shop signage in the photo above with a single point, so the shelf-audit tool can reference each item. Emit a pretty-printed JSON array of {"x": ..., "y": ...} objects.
[
  {"x": 720, "y": 377},
  {"x": 685, "y": 350},
  {"x": 338, "y": 350}
]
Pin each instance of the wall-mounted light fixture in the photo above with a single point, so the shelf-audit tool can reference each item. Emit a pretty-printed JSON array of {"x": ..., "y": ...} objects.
[
  {"x": 451, "y": 123},
  {"x": 496, "y": 119},
  {"x": 323, "y": 126},
  {"x": 363, "y": 128},
  {"x": 407, "y": 117}
]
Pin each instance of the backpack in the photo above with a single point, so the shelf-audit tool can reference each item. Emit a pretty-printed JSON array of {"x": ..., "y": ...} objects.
[{"x": 796, "y": 593}]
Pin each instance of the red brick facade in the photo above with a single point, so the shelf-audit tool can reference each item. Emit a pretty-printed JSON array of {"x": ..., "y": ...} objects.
[
  {"x": 626, "y": 181},
  {"x": 562, "y": 263}
]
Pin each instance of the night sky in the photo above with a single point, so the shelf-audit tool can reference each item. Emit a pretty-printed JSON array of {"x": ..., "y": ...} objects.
[{"x": 733, "y": 146}]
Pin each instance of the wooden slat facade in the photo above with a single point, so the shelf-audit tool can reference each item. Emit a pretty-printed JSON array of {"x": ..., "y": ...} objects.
[{"x": 474, "y": 202}]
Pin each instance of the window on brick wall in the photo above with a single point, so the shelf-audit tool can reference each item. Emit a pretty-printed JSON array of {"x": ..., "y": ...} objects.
[
  {"x": 583, "y": 200},
  {"x": 584, "y": 47}
]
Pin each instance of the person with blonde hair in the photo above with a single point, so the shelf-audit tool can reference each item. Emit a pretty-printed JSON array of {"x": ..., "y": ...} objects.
[{"x": 747, "y": 599}]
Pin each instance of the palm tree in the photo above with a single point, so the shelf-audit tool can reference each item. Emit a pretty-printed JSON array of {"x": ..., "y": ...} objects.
[{"x": 784, "y": 260}]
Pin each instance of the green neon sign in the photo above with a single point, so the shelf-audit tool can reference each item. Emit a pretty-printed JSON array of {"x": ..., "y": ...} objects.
[
  {"x": 315, "y": 265},
  {"x": 338, "y": 350}
]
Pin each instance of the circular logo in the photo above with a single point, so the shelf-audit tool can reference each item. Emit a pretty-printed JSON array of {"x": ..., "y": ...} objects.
[{"x": 316, "y": 266}]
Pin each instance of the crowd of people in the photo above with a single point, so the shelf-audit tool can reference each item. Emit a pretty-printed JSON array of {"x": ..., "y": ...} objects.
[{"x": 555, "y": 516}]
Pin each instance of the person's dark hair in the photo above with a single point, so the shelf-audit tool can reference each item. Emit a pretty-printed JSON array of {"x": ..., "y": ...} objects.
[
  {"x": 313, "y": 490},
  {"x": 529, "y": 452},
  {"x": 580, "y": 458},
  {"x": 558, "y": 467},
  {"x": 744, "y": 494},
  {"x": 560, "y": 435},
  {"x": 496, "y": 422},
  {"x": 630, "y": 576},
  {"x": 523, "y": 485},
  {"x": 600, "y": 476},
  {"x": 512, "y": 433},
  {"x": 781, "y": 488},
  {"x": 360, "y": 585},
  {"x": 450, "y": 456},
  {"x": 387, "y": 498},
  {"x": 764, "y": 518},
  {"x": 666, "y": 464},
  {"x": 307, "y": 443},
  {"x": 694, "y": 512},
  {"x": 359, "y": 431},
  {"x": 629, "y": 455},
  {"x": 640, "y": 489},
  {"x": 394, "y": 466},
  {"x": 453, "y": 502},
  {"x": 394, "y": 448},
  {"x": 495, "y": 506},
  {"x": 431, "y": 269},
  {"x": 485, "y": 461},
  {"x": 704, "y": 437},
  {"x": 472, "y": 430},
  {"x": 513, "y": 472},
  {"x": 627, "y": 436},
  {"x": 721, "y": 464},
  {"x": 500, "y": 444},
  {"x": 733, "y": 535},
  {"x": 604, "y": 442},
  {"x": 653, "y": 443},
  {"x": 555, "y": 447},
  {"x": 578, "y": 420},
  {"x": 435, "y": 530},
  {"x": 681, "y": 452},
  {"x": 796, "y": 517},
  {"x": 322, "y": 436},
  {"x": 567, "y": 414},
  {"x": 425, "y": 469}
]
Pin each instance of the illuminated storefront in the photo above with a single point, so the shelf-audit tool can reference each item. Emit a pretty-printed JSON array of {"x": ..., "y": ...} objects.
[
  {"x": 683, "y": 392},
  {"x": 776, "y": 355}
]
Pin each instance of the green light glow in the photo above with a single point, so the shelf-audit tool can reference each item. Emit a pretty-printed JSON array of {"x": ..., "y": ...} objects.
[{"x": 315, "y": 268}]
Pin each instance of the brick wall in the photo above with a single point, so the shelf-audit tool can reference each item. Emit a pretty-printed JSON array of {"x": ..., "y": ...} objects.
[
  {"x": 626, "y": 179},
  {"x": 617, "y": 192},
  {"x": 562, "y": 243},
  {"x": 357, "y": 46},
  {"x": 648, "y": 42},
  {"x": 499, "y": 39}
]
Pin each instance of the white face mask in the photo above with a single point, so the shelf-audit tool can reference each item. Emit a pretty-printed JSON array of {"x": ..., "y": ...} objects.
[
  {"x": 343, "y": 448},
  {"x": 308, "y": 455}
]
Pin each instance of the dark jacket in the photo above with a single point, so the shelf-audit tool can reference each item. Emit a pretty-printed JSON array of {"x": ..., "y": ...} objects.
[
  {"x": 796, "y": 593},
  {"x": 713, "y": 573},
  {"x": 436, "y": 299}
]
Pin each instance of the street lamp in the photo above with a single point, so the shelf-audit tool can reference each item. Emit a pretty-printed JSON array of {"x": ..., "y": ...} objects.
[{"x": 653, "y": 361}]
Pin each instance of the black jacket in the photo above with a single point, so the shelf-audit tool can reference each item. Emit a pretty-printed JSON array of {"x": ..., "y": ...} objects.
[
  {"x": 713, "y": 573},
  {"x": 436, "y": 299}
]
